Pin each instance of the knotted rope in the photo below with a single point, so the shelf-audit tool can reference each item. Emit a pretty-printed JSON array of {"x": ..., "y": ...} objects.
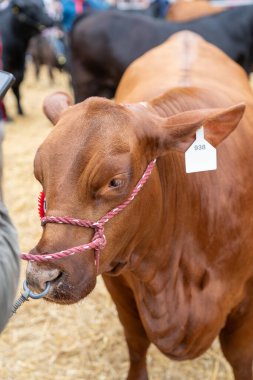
[{"x": 98, "y": 241}]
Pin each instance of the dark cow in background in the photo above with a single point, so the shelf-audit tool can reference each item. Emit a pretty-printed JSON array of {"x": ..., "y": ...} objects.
[
  {"x": 104, "y": 44},
  {"x": 178, "y": 261},
  {"x": 20, "y": 21},
  {"x": 42, "y": 52}
]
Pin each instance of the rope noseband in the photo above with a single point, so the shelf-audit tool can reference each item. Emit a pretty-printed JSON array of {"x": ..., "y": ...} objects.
[{"x": 98, "y": 241}]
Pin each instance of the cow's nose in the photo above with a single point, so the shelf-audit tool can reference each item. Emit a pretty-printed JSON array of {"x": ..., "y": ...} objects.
[{"x": 37, "y": 276}]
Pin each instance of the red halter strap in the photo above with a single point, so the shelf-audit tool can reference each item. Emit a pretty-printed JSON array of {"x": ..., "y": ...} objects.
[{"x": 98, "y": 241}]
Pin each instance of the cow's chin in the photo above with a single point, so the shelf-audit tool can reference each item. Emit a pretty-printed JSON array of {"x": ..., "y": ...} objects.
[{"x": 65, "y": 292}]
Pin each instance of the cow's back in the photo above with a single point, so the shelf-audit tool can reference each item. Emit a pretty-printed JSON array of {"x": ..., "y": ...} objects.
[{"x": 185, "y": 59}]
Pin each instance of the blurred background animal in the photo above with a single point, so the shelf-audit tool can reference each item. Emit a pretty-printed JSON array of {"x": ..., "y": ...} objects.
[
  {"x": 104, "y": 44},
  {"x": 19, "y": 22},
  {"x": 43, "y": 50}
]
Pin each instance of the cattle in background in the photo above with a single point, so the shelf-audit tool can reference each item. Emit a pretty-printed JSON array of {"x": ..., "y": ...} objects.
[
  {"x": 43, "y": 52},
  {"x": 177, "y": 256},
  {"x": 19, "y": 22},
  {"x": 190, "y": 10},
  {"x": 104, "y": 44}
]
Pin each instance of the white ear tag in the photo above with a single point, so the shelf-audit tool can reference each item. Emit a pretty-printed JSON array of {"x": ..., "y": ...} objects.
[{"x": 201, "y": 156}]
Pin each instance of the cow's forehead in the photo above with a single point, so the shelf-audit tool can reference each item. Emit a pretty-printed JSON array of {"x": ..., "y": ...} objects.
[
  {"x": 97, "y": 118},
  {"x": 95, "y": 125},
  {"x": 91, "y": 136}
]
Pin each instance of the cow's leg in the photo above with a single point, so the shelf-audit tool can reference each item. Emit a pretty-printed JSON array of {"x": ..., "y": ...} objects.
[
  {"x": 37, "y": 69},
  {"x": 84, "y": 83},
  {"x": 136, "y": 337},
  {"x": 237, "y": 340},
  {"x": 50, "y": 73},
  {"x": 17, "y": 95}
]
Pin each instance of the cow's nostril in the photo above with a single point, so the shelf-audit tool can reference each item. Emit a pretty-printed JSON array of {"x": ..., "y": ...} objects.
[
  {"x": 51, "y": 275},
  {"x": 52, "y": 279},
  {"x": 58, "y": 277},
  {"x": 38, "y": 277}
]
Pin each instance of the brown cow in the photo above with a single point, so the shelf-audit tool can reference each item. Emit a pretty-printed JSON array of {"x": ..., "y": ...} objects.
[
  {"x": 179, "y": 258},
  {"x": 190, "y": 10}
]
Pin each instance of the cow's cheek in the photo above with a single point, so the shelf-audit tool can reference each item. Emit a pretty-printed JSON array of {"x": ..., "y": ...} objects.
[{"x": 71, "y": 278}]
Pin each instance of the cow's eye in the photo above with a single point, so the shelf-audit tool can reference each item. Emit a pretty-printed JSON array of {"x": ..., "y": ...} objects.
[
  {"x": 116, "y": 182},
  {"x": 113, "y": 187}
]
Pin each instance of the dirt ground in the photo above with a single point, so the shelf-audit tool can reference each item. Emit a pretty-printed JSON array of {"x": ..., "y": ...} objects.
[{"x": 48, "y": 342}]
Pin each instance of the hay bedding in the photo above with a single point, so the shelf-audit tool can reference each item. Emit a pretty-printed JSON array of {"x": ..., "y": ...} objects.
[{"x": 79, "y": 342}]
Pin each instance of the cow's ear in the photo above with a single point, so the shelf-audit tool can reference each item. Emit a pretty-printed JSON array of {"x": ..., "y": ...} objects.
[
  {"x": 55, "y": 104},
  {"x": 178, "y": 132}
]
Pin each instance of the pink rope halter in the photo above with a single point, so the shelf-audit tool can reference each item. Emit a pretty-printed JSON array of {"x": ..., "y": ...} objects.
[{"x": 98, "y": 241}]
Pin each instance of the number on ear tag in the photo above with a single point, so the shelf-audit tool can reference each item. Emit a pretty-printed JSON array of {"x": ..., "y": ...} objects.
[{"x": 201, "y": 156}]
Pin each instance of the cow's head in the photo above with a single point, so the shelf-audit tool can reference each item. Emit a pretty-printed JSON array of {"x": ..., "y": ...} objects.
[
  {"x": 89, "y": 164},
  {"x": 32, "y": 14}
]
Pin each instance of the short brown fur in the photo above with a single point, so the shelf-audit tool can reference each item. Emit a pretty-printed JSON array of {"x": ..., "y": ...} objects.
[{"x": 179, "y": 259}]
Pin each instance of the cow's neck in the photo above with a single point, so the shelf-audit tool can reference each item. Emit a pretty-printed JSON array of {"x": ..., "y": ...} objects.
[
  {"x": 175, "y": 216},
  {"x": 185, "y": 98},
  {"x": 175, "y": 274},
  {"x": 179, "y": 277}
]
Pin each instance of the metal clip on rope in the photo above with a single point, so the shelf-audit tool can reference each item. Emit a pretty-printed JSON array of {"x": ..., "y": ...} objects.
[{"x": 29, "y": 294}]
